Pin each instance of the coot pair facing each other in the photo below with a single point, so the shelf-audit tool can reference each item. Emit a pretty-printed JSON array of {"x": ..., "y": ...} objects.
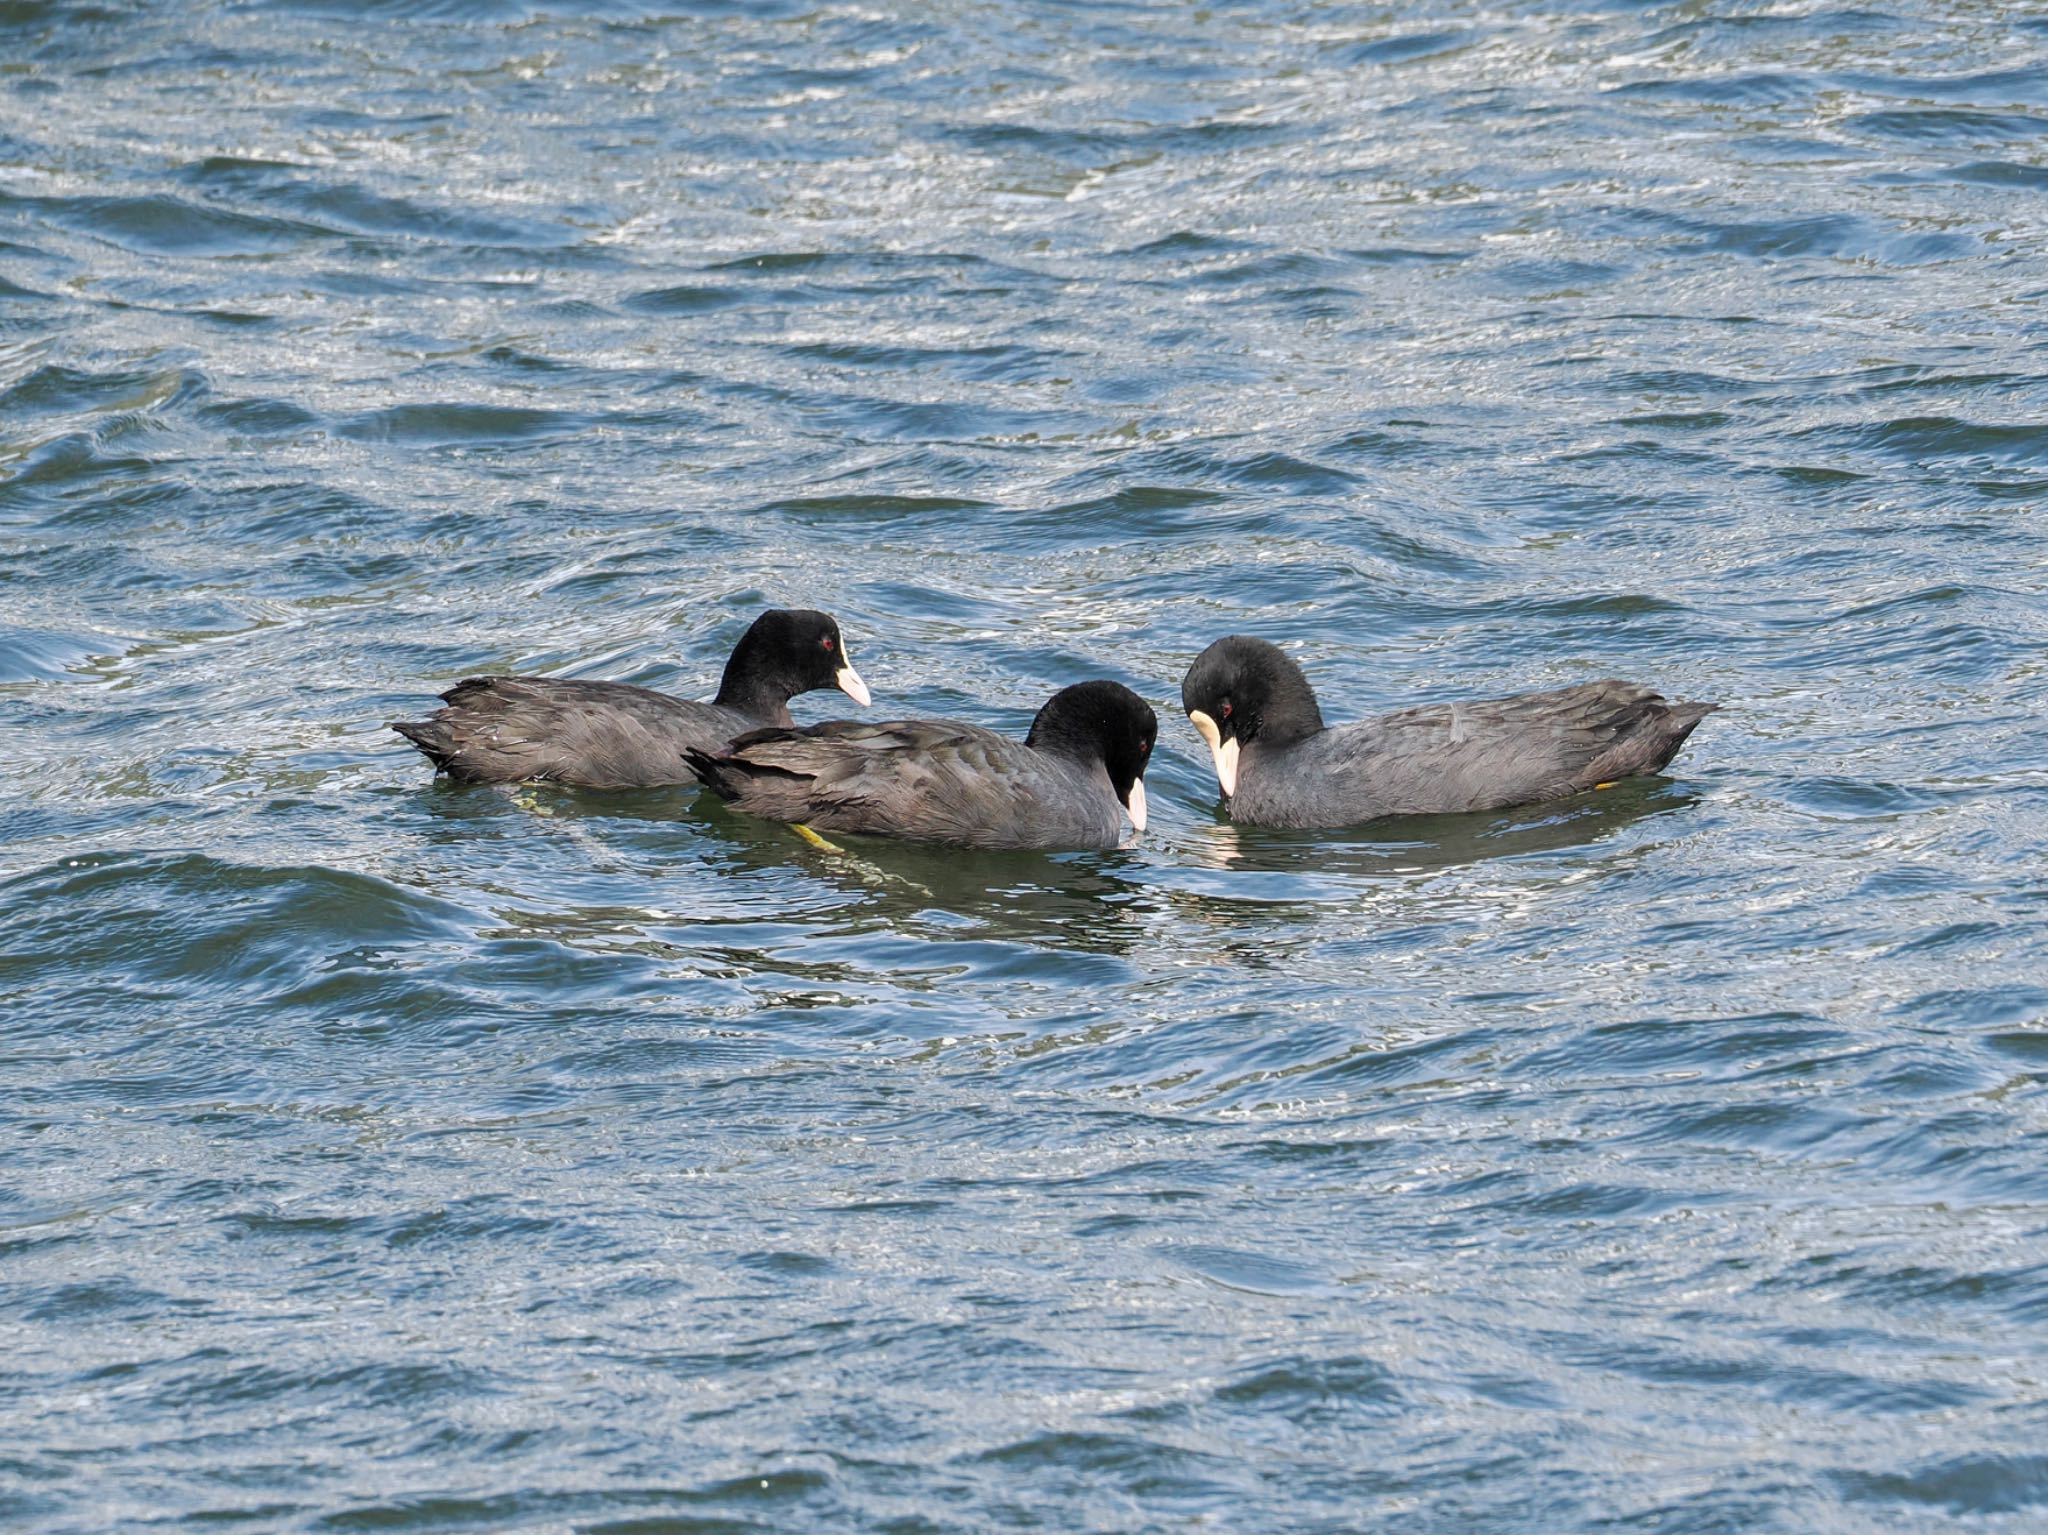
[{"x": 1080, "y": 771}]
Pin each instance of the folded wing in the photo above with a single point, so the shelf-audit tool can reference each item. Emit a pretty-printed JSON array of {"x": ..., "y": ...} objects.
[
  {"x": 598, "y": 735},
  {"x": 922, "y": 780},
  {"x": 1491, "y": 753}
]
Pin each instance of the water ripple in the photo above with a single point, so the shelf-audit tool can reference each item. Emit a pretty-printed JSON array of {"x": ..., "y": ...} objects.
[{"x": 393, "y": 1155}]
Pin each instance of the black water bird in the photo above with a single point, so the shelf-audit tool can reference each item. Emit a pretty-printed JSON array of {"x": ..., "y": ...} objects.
[
  {"x": 1070, "y": 783},
  {"x": 613, "y": 735},
  {"x": 1279, "y": 765}
]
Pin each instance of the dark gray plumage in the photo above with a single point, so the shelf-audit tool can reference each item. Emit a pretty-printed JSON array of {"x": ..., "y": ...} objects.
[
  {"x": 1068, "y": 784},
  {"x": 1280, "y": 766},
  {"x": 612, "y": 735}
]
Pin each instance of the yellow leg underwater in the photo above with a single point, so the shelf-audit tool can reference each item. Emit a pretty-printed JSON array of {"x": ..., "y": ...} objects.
[{"x": 814, "y": 839}]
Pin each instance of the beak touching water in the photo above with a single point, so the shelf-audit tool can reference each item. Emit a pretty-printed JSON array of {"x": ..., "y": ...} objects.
[
  {"x": 1135, "y": 806},
  {"x": 1222, "y": 752},
  {"x": 850, "y": 684}
]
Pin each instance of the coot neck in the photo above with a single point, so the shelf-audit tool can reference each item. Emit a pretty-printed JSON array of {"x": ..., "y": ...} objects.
[
  {"x": 1290, "y": 714},
  {"x": 754, "y": 690},
  {"x": 1064, "y": 737}
]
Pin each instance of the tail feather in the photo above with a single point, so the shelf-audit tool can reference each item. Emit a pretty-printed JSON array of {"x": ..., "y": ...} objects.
[
  {"x": 1653, "y": 733},
  {"x": 714, "y": 770},
  {"x": 1680, "y": 721},
  {"x": 432, "y": 738}
]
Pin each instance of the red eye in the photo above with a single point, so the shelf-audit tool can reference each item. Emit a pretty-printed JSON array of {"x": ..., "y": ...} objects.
[
  {"x": 826, "y": 642},
  {"x": 1226, "y": 709}
]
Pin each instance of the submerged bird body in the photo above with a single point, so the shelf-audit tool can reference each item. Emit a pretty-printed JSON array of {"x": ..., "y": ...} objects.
[
  {"x": 1070, "y": 784},
  {"x": 1280, "y": 766},
  {"x": 613, "y": 735}
]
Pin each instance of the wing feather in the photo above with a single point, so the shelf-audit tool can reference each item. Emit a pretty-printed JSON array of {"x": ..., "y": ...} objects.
[
  {"x": 925, "y": 780},
  {"x": 1482, "y": 754}
]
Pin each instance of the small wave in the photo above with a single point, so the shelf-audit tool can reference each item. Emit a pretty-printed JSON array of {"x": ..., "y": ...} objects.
[
  {"x": 59, "y": 390},
  {"x": 264, "y": 927},
  {"x": 1254, "y": 1273},
  {"x": 452, "y": 425},
  {"x": 1949, "y": 125},
  {"x": 1985, "y": 88},
  {"x": 689, "y": 298},
  {"x": 1947, "y": 442},
  {"x": 1981, "y": 1485},
  {"x": 1997, "y": 173},
  {"x": 1405, "y": 49},
  {"x": 29, "y": 655},
  {"x": 1838, "y": 236},
  {"x": 259, "y": 418},
  {"x": 1750, "y": 89},
  {"x": 164, "y": 225}
]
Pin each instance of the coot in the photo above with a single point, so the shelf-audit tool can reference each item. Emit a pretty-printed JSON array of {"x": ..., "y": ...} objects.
[
  {"x": 1069, "y": 784},
  {"x": 612, "y": 735},
  {"x": 1280, "y": 766}
]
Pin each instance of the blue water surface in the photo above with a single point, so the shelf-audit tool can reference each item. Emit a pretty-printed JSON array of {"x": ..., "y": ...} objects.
[{"x": 380, "y": 1155}]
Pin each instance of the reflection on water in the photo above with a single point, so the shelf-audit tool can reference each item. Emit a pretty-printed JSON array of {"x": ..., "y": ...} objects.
[{"x": 1419, "y": 845}]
